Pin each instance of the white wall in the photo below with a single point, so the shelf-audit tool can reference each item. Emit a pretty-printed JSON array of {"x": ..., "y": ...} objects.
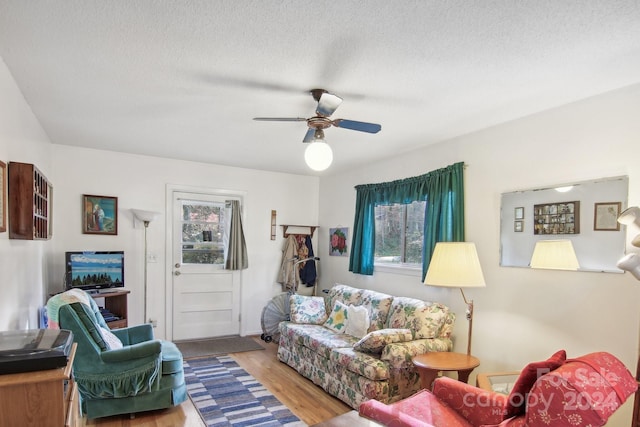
[
  {"x": 140, "y": 182},
  {"x": 522, "y": 315},
  {"x": 30, "y": 270},
  {"x": 22, "y": 263}
]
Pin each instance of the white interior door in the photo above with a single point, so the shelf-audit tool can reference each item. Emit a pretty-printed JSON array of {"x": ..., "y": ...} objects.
[{"x": 206, "y": 297}]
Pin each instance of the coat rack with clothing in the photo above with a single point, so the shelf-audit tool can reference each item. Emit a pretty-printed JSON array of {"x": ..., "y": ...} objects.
[
  {"x": 298, "y": 272},
  {"x": 298, "y": 229}
]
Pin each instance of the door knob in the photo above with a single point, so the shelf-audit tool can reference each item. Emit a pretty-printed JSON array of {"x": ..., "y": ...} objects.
[{"x": 176, "y": 273}]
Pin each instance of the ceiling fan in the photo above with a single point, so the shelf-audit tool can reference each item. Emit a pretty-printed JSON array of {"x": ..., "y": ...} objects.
[{"x": 327, "y": 105}]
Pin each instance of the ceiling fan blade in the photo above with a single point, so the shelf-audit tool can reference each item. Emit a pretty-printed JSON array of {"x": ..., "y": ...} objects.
[
  {"x": 308, "y": 137},
  {"x": 359, "y": 126},
  {"x": 210, "y": 77},
  {"x": 280, "y": 119},
  {"x": 327, "y": 104}
]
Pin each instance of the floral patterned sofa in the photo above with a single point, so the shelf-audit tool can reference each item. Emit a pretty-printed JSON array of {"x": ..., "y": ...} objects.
[{"x": 358, "y": 344}]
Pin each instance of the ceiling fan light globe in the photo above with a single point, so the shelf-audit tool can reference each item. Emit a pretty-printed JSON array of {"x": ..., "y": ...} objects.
[{"x": 318, "y": 155}]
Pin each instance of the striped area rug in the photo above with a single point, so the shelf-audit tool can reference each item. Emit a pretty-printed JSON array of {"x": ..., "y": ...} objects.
[{"x": 226, "y": 395}]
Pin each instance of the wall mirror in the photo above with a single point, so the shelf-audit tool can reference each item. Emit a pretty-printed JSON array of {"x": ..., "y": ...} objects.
[{"x": 583, "y": 212}]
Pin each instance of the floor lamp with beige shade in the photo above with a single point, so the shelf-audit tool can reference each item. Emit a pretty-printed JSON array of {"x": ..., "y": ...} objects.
[{"x": 456, "y": 265}]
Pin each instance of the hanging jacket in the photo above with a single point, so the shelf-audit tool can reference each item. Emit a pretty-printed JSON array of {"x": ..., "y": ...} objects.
[
  {"x": 286, "y": 275},
  {"x": 308, "y": 273}
]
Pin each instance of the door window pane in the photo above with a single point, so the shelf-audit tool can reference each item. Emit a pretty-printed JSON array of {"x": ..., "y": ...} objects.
[{"x": 203, "y": 232}]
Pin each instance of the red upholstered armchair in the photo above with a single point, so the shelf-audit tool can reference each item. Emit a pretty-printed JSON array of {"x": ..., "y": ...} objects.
[{"x": 556, "y": 392}]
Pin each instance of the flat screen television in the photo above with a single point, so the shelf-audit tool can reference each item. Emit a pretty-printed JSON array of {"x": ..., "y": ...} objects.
[{"x": 94, "y": 270}]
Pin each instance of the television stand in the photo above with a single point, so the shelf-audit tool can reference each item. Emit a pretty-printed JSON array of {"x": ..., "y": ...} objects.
[
  {"x": 116, "y": 302},
  {"x": 107, "y": 290}
]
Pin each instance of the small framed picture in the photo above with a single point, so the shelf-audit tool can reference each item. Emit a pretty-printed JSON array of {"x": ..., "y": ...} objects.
[
  {"x": 518, "y": 213},
  {"x": 518, "y": 226},
  {"x": 338, "y": 241},
  {"x": 605, "y": 216},
  {"x": 99, "y": 215}
]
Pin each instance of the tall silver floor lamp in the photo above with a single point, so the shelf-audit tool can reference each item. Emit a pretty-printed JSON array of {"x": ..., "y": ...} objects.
[{"x": 146, "y": 217}]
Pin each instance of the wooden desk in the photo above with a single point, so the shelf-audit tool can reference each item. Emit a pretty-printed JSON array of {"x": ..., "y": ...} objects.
[
  {"x": 429, "y": 364},
  {"x": 40, "y": 398}
]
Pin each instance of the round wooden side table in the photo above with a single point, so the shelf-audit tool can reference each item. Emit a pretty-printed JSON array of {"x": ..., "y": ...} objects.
[{"x": 429, "y": 364}]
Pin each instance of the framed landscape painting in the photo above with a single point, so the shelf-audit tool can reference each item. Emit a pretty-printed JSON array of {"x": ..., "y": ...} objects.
[{"x": 100, "y": 215}]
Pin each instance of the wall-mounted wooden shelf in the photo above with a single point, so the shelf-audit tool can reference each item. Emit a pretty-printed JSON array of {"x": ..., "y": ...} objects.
[
  {"x": 29, "y": 203},
  {"x": 310, "y": 229}
]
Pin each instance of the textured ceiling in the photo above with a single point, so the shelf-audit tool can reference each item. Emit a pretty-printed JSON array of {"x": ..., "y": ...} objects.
[{"x": 183, "y": 79}]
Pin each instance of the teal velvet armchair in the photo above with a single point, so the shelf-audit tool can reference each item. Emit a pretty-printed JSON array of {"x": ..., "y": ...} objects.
[{"x": 130, "y": 374}]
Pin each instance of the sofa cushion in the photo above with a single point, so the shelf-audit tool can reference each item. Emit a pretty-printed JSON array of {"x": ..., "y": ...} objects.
[
  {"x": 425, "y": 319},
  {"x": 315, "y": 337},
  {"x": 375, "y": 341},
  {"x": 368, "y": 365},
  {"x": 338, "y": 318},
  {"x": 358, "y": 323},
  {"x": 345, "y": 294},
  {"x": 447, "y": 327},
  {"x": 306, "y": 309},
  {"x": 323, "y": 341},
  {"x": 399, "y": 354},
  {"x": 378, "y": 306},
  {"x": 526, "y": 380},
  {"x": 297, "y": 333}
]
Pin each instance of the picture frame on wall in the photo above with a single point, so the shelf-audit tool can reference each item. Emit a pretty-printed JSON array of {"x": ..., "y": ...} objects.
[
  {"x": 99, "y": 215},
  {"x": 518, "y": 226},
  {"x": 518, "y": 213},
  {"x": 3, "y": 197},
  {"x": 338, "y": 241},
  {"x": 605, "y": 216}
]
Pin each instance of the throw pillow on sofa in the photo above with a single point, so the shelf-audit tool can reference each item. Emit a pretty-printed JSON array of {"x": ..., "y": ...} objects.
[
  {"x": 305, "y": 309},
  {"x": 338, "y": 318},
  {"x": 375, "y": 341},
  {"x": 358, "y": 323},
  {"x": 526, "y": 380}
]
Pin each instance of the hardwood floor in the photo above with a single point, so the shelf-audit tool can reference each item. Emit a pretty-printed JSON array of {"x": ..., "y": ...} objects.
[{"x": 306, "y": 400}]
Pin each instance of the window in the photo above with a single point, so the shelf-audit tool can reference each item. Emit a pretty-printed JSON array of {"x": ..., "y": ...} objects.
[
  {"x": 399, "y": 234},
  {"x": 203, "y": 231},
  {"x": 443, "y": 218}
]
